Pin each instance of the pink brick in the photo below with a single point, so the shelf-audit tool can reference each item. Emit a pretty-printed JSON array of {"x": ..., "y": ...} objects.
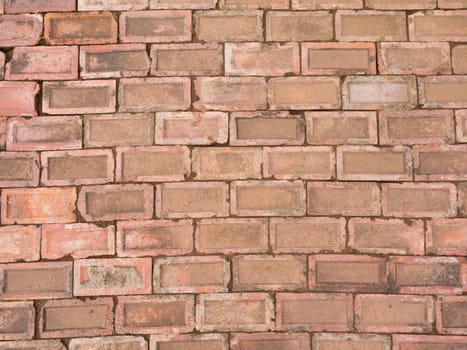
[
  {"x": 112, "y": 5},
  {"x": 447, "y": 237},
  {"x": 450, "y": 312},
  {"x": 32, "y": 344},
  {"x": 20, "y": 30},
  {"x": 326, "y": 4},
  {"x": 440, "y": 163},
  {"x": 18, "y": 98},
  {"x": 189, "y": 341},
  {"x": 182, "y": 4},
  {"x": 19, "y": 169},
  {"x": 3, "y": 123},
  {"x": 19, "y": 243},
  {"x": 462, "y": 199},
  {"x": 24, "y": 6},
  {"x": 123, "y": 341},
  {"x": 461, "y": 125},
  {"x": 412, "y": 342},
  {"x": 289, "y": 341},
  {"x": 443, "y": 91},
  {"x": 2, "y": 65},
  {"x": 16, "y": 320},
  {"x": 401, "y": 5},
  {"x": 321, "y": 341},
  {"x": 255, "y": 4},
  {"x": 438, "y": 26}
]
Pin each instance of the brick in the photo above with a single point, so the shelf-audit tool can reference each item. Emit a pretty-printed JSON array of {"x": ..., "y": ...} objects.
[
  {"x": 39, "y": 280},
  {"x": 44, "y": 133},
  {"x": 76, "y": 318},
  {"x": 326, "y": 4},
  {"x": 221, "y": 26},
  {"x": 459, "y": 58},
  {"x": 80, "y": 28},
  {"x": 230, "y": 94},
  {"x": 343, "y": 198},
  {"x": 43, "y": 63},
  {"x": 116, "y": 202},
  {"x": 268, "y": 198},
  {"x": 32, "y": 344},
  {"x": 255, "y": 4},
  {"x": 155, "y": 26},
  {"x": 419, "y": 200},
  {"x": 299, "y": 26},
  {"x": 124, "y": 342},
  {"x": 191, "y": 128},
  {"x": 440, "y": 163},
  {"x": 189, "y": 342},
  {"x": 234, "y": 312},
  {"x": 435, "y": 342},
  {"x": 438, "y": 26},
  {"x": 153, "y": 238},
  {"x": 262, "y": 59},
  {"x": 447, "y": 237},
  {"x": 265, "y": 341},
  {"x": 452, "y": 4},
  {"x": 335, "y": 128},
  {"x": 226, "y": 163},
  {"x": 151, "y": 164},
  {"x": 425, "y": 275},
  {"x": 451, "y": 312},
  {"x": 112, "y": 5},
  {"x": 379, "y": 92},
  {"x": 79, "y": 97},
  {"x": 113, "y": 61},
  {"x": 394, "y": 313},
  {"x": 314, "y": 312},
  {"x": 348, "y": 341},
  {"x": 338, "y": 58},
  {"x": 186, "y": 59},
  {"x": 3, "y": 123},
  {"x": 416, "y": 127},
  {"x": 304, "y": 93},
  {"x": 311, "y": 163},
  {"x": 266, "y": 128},
  {"x": 370, "y": 26},
  {"x": 401, "y": 5},
  {"x": 19, "y": 169},
  {"x": 76, "y": 240},
  {"x": 83, "y": 167},
  {"x": 234, "y": 235},
  {"x": 192, "y": 200},
  {"x": 266, "y": 272},
  {"x": 443, "y": 91},
  {"x": 121, "y": 129},
  {"x": 25, "y": 6},
  {"x": 386, "y": 236},
  {"x": 18, "y": 98},
  {"x": 2, "y": 65},
  {"x": 366, "y": 163},
  {"x": 195, "y": 274},
  {"x": 112, "y": 276},
  {"x": 19, "y": 243},
  {"x": 154, "y": 94},
  {"x": 462, "y": 200},
  {"x": 461, "y": 126},
  {"x": 38, "y": 205},
  {"x": 20, "y": 30},
  {"x": 182, "y": 4},
  {"x": 414, "y": 58},
  {"x": 16, "y": 320},
  {"x": 160, "y": 314}
]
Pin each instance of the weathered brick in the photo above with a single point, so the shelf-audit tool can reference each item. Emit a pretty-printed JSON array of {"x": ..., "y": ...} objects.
[
  {"x": 112, "y": 276},
  {"x": 314, "y": 312},
  {"x": 112, "y": 5},
  {"x": 116, "y": 202},
  {"x": 438, "y": 26},
  {"x": 76, "y": 318},
  {"x": 304, "y": 93},
  {"x": 153, "y": 238},
  {"x": 440, "y": 163},
  {"x": 43, "y": 63},
  {"x": 182, "y": 4},
  {"x": 38, "y": 280},
  {"x": 19, "y": 243},
  {"x": 265, "y": 341},
  {"x": 236, "y": 312},
  {"x": 3, "y": 127},
  {"x": 20, "y": 30},
  {"x": 192, "y": 200},
  {"x": 156, "y": 314},
  {"x": 401, "y": 5},
  {"x": 16, "y": 320},
  {"x": 32, "y": 344},
  {"x": 18, "y": 98},
  {"x": 189, "y": 342},
  {"x": 452, "y": 4},
  {"x": 386, "y": 236},
  {"x": 25, "y": 6},
  {"x": 79, "y": 97},
  {"x": 76, "y": 240},
  {"x": 254, "y": 4},
  {"x": 451, "y": 312},
  {"x": 462, "y": 199},
  {"x": 80, "y": 28},
  {"x": 344, "y": 198},
  {"x": 117, "y": 342},
  {"x": 19, "y": 169},
  {"x": 419, "y": 200},
  {"x": 349, "y": 341},
  {"x": 435, "y": 342},
  {"x": 461, "y": 125},
  {"x": 2, "y": 65},
  {"x": 394, "y": 313},
  {"x": 447, "y": 237},
  {"x": 459, "y": 59},
  {"x": 443, "y": 91},
  {"x": 113, "y": 61},
  {"x": 326, "y": 4}
]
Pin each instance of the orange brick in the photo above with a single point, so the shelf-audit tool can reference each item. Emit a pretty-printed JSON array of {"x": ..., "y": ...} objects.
[
  {"x": 443, "y": 91},
  {"x": 16, "y": 320},
  {"x": 20, "y": 30},
  {"x": 18, "y": 98},
  {"x": 132, "y": 342},
  {"x": 19, "y": 243},
  {"x": 438, "y": 26},
  {"x": 349, "y": 341},
  {"x": 447, "y": 237},
  {"x": 326, "y": 4},
  {"x": 113, "y": 5},
  {"x": 265, "y": 341},
  {"x": 450, "y": 315},
  {"x": 189, "y": 341},
  {"x": 19, "y": 169}
]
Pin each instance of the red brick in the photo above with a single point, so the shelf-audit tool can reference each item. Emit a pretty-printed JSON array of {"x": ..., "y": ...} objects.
[
  {"x": 314, "y": 312},
  {"x": 112, "y": 5},
  {"x": 394, "y": 313},
  {"x": 182, "y": 4},
  {"x": 153, "y": 238},
  {"x": 348, "y": 341},
  {"x": 416, "y": 127},
  {"x": 326, "y": 4},
  {"x": 387, "y": 236},
  {"x": 19, "y": 243},
  {"x": 234, "y": 312},
  {"x": 440, "y": 163},
  {"x": 19, "y": 169},
  {"x": 304, "y": 93},
  {"x": 32, "y": 344},
  {"x": 462, "y": 199},
  {"x": 20, "y": 30},
  {"x": 192, "y": 200},
  {"x": 117, "y": 342},
  {"x": 76, "y": 318},
  {"x": 112, "y": 276},
  {"x": 18, "y": 98},
  {"x": 459, "y": 58},
  {"x": 76, "y": 240},
  {"x": 155, "y": 26},
  {"x": 156, "y": 314},
  {"x": 447, "y": 237},
  {"x": 419, "y": 200},
  {"x": 234, "y": 235},
  {"x": 3, "y": 122},
  {"x": 401, "y": 5},
  {"x": 335, "y": 128},
  {"x": 195, "y": 274},
  {"x": 452, "y": 4},
  {"x": 43, "y": 63},
  {"x": 189, "y": 341},
  {"x": 38, "y": 280},
  {"x": 443, "y": 91},
  {"x": 2, "y": 65},
  {"x": 343, "y": 198},
  {"x": 264, "y": 341},
  {"x": 434, "y": 342},
  {"x": 113, "y": 61},
  {"x": 116, "y": 202},
  {"x": 255, "y": 4},
  {"x": 16, "y": 320},
  {"x": 24, "y": 6},
  {"x": 438, "y": 26},
  {"x": 80, "y": 28},
  {"x": 451, "y": 312},
  {"x": 44, "y": 133}
]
